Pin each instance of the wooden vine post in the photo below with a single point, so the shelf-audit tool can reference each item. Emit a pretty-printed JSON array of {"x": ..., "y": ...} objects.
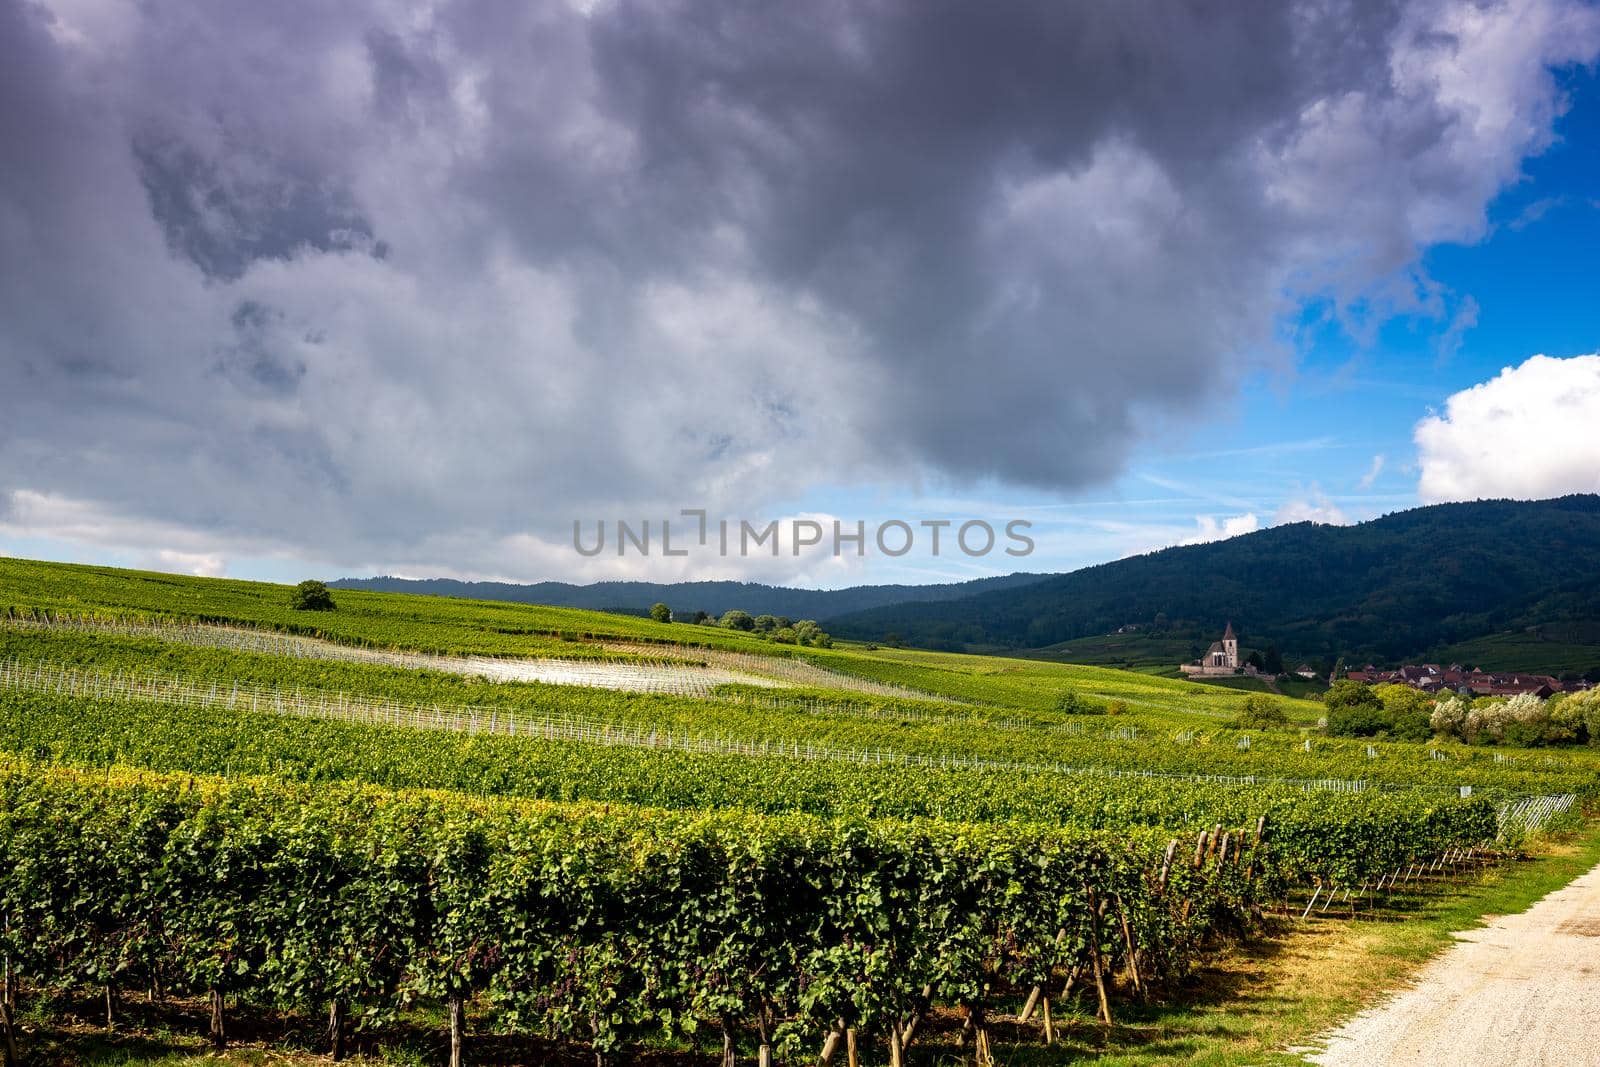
[
  {"x": 1133, "y": 951},
  {"x": 336, "y": 1028},
  {"x": 1096, "y": 960},
  {"x": 830, "y": 1044},
  {"x": 218, "y": 1032},
  {"x": 1033, "y": 996},
  {"x": 13, "y": 1058},
  {"x": 1166, "y": 863},
  {"x": 457, "y": 1026}
]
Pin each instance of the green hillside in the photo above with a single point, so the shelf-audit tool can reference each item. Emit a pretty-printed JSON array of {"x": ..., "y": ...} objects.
[
  {"x": 444, "y": 625},
  {"x": 1414, "y": 584},
  {"x": 300, "y": 815},
  {"x": 685, "y": 598}
]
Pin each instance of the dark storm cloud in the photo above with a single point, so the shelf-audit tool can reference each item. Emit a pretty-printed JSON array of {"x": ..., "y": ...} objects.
[
  {"x": 254, "y": 352},
  {"x": 401, "y": 284},
  {"x": 223, "y": 226}
]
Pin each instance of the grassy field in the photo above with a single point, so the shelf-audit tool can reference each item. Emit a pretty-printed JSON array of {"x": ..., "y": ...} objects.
[
  {"x": 449, "y": 626},
  {"x": 1537, "y": 651},
  {"x": 1136, "y": 651}
]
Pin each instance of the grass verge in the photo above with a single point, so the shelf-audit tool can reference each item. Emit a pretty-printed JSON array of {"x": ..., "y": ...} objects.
[{"x": 1300, "y": 979}]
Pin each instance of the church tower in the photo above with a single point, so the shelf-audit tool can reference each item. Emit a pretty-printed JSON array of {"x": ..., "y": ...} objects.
[{"x": 1230, "y": 647}]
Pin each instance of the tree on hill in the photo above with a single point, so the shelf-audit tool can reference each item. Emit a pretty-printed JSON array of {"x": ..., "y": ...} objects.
[
  {"x": 738, "y": 620},
  {"x": 1411, "y": 710},
  {"x": 1354, "y": 710},
  {"x": 1261, "y": 712},
  {"x": 660, "y": 612},
  {"x": 311, "y": 595}
]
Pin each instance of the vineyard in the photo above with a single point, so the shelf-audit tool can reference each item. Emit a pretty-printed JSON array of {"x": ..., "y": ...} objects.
[{"x": 851, "y": 855}]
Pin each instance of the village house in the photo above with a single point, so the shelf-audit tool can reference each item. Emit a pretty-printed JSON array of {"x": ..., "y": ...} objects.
[{"x": 1432, "y": 678}]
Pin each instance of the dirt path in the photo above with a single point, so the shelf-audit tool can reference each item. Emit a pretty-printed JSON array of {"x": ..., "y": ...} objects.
[{"x": 1522, "y": 991}]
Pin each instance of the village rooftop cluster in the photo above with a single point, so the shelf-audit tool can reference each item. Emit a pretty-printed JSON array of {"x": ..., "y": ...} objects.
[{"x": 1222, "y": 658}]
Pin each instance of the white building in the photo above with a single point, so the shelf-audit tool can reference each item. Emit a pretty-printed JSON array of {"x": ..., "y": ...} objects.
[{"x": 1221, "y": 658}]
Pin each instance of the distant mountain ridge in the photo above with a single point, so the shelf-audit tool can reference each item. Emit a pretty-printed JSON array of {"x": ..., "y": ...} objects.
[
  {"x": 1405, "y": 587},
  {"x": 1392, "y": 589},
  {"x": 685, "y": 598}
]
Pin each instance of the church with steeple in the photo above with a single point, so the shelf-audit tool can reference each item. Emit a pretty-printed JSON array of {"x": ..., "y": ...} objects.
[{"x": 1221, "y": 658}]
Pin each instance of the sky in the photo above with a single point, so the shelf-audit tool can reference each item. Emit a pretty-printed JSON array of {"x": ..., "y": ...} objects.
[{"x": 293, "y": 290}]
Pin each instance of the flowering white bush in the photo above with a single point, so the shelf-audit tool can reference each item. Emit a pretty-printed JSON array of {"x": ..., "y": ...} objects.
[
  {"x": 1526, "y": 708},
  {"x": 1524, "y": 719},
  {"x": 1486, "y": 721},
  {"x": 1449, "y": 717}
]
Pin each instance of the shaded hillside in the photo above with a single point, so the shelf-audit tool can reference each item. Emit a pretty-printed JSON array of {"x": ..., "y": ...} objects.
[
  {"x": 685, "y": 598},
  {"x": 1390, "y": 589}
]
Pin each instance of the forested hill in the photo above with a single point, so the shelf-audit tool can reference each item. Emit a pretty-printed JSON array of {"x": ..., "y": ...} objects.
[
  {"x": 684, "y": 598},
  {"x": 1386, "y": 590}
]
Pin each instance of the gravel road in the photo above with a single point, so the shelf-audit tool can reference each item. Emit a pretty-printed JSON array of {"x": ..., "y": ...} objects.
[{"x": 1522, "y": 991}]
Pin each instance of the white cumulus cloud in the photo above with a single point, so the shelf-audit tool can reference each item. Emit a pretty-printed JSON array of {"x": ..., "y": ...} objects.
[
  {"x": 1212, "y": 528},
  {"x": 1533, "y": 431},
  {"x": 1313, "y": 505}
]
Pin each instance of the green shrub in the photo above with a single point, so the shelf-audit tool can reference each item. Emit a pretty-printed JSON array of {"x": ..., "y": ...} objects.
[
  {"x": 1359, "y": 720},
  {"x": 738, "y": 620},
  {"x": 311, "y": 595},
  {"x": 1261, "y": 712},
  {"x": 1069, "y": 702}
]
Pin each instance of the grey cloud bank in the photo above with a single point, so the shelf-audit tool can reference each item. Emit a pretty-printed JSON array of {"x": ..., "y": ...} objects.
[{"x": 414, "y": 284}]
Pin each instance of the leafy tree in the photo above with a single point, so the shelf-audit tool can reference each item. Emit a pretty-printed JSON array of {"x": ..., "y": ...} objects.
[
  {"x": 1566, "y": 721},
  {"x": 1261, "y": 712},
  {"x": 311, "y": 595},
  {"x": 1354, "y": 710},
  {"x": 765, "y": 624},
  {"x": 807, "y": 632},
  {"x": 738, "y": 620},
  {"x": 785, "y": 636},
  {"x": 1255, "y": 660},
  {"x": 1272, "y": 662},
  {"x": 660, "y": 612},
  {"x": 1346, "y": 693},
  {"x": 1589, "y": 705},
  {"x": 1359, "y": 720},
  {"x": 1411, "y": 709}
]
